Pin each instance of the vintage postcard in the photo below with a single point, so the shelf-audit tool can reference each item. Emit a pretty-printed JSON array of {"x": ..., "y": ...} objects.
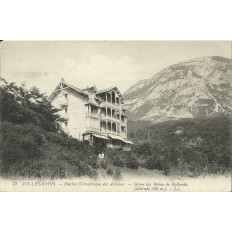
[{"x": 151, "y": 116}]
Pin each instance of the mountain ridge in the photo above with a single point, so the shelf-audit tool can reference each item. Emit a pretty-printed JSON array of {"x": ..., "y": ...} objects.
[{"x": 197, "y": 87}]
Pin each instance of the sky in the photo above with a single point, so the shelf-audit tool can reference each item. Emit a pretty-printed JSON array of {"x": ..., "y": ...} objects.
[{"x": 101, "y": 63}]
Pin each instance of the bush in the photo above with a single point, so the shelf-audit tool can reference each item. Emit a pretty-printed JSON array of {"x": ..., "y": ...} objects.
[
  {"x": 167, "y": 168},
  {"x": 118, "y": 162},
  {"x": 103, "y": 164},
  {"x": 109, "y": 172},
  {"x": 144, "y": 149},
  {"x": 132, "y": 162},
  {"x": 149, "y": 163},
  {"x": 117, "y": 175},
  {"x": 29, "y": 151},
  {"x": 154, "y": 162},
  {"x": 110, "y": 153}
]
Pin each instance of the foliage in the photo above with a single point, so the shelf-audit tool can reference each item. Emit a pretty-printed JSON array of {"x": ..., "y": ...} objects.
[
  {"x": 109, "y": 172},
  {"x": 103, "y": 164},
  {"x": 33, "y": 144},
  {"x": 203, "y": 146},
  {"x": 118, "y": 161},
  {"x": 19, "y": 105},
  {"x": 117, "y": 175},
  {"x": 110, "y": 153},
  {"x": 132, "y": 162},
  {"x": 29, "y": 151}
]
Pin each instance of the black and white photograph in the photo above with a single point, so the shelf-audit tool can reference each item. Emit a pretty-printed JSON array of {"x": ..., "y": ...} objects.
[{"x": 109, "y": 116}]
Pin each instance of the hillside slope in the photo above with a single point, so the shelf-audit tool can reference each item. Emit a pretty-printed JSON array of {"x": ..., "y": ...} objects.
[
  {"x": 195, "y": 88},
  {"x": 194, "y": 144}
]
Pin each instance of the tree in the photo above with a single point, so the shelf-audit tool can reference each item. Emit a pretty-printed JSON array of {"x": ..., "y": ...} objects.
[{"x": 19, "y": 105}]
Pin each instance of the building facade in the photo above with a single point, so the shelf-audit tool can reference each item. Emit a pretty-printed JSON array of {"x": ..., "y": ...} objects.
[{"x": 92, "y": 115}]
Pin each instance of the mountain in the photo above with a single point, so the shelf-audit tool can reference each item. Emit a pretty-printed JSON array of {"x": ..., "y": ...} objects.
[{"x": 195, "y": 88}]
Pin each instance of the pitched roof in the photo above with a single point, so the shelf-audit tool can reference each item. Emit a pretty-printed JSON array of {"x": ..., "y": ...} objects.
[
  {"x": 94, "y": 88},
  {"x": 75, "y": 88},
  {"x": 105, "y": 90},
  {"x": 70, "y": 86},
  {"x": 83, "y": 91},
  {"x": 109, "y": 89}
]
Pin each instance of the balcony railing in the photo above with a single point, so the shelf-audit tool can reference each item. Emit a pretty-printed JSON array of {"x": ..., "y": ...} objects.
[
  {"x": 122, "y": 134},
  {"x": 93, "y": 115},
  {"x": 123, "y": 123},
  {"x": 107, "y": 131},
  {"x": 114, "y": 105},
  {"x": 115, "y": 133},
  {"x": 104, "y": 117}
]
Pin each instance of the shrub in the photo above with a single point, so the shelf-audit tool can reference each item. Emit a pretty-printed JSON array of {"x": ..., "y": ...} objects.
[
  {"x": 150, "y": 163},
  {"x": 17, "y": 148},
  {"x": 132, "y": 162},
  {"x": 196, "y": 168},
  {"x": 117, "y": 175},
  {"x": 109, "y": 172},
  {"x": 118, "y": 162},
  {"x": 154, "y": 162},
  {"x": 167, "y": 168},
  {"x": 144, "y": 149},
  {"x": 103, "y": 164},
  {"x": 29, "y": 151},
  {"x": 110, "y": 153}
]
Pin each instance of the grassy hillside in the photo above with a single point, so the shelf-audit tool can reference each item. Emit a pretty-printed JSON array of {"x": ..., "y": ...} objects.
[
  {"x": 29, "y": 151},
  {"x": 190, "y": 145}
]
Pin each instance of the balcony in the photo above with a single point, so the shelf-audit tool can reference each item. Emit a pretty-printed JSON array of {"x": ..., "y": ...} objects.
[
  {"x": 123, "y": 123},
  {"x": 109, "y": 118},
  {"x": 115, "y": 119},
  {"x": 123, "y": 115},
  {"x": 106, "y": 131},
  {"x": 93, "y": 115},
  {"x": 113, "y": 105},
  {"x": 103, "y": 116},
  {"x": 114, "y": 133}
]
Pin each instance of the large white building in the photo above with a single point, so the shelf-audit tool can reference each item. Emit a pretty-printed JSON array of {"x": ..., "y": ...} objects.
[{"x": 96, "y": 116}]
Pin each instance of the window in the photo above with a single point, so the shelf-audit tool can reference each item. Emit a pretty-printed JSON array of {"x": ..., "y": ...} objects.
[
  {"x": 66, "y": 110},
  {"x": 66, "y": 96},
  {"x": 66, "y": 124}
]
